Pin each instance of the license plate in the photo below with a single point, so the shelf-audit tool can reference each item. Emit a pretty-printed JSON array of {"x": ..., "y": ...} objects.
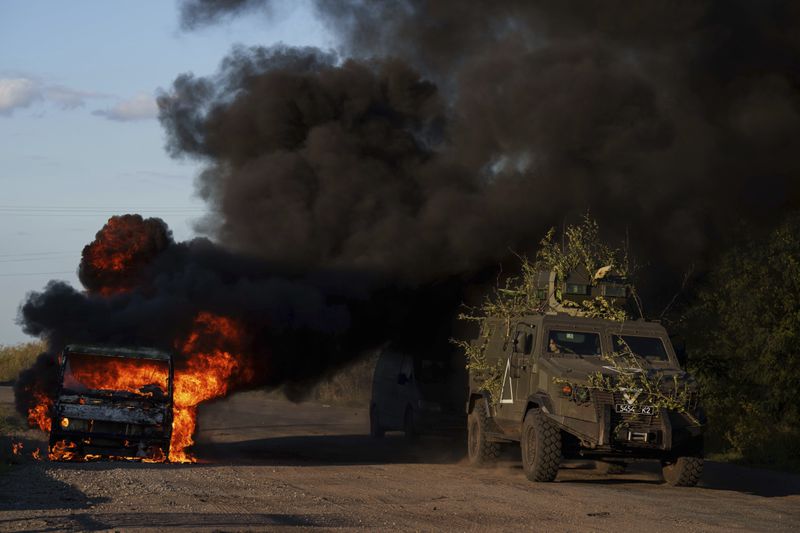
[{"x": 635, "y": 409}]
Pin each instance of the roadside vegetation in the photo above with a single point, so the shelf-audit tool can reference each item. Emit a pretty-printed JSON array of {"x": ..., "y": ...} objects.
[
  {"x": 742, "y": 332},
  {"x": 351, "y": 386},
  {"x": 15, "y": 358}
]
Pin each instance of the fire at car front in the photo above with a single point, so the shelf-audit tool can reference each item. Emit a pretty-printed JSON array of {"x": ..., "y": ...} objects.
[{"x": 113, "y": 403}]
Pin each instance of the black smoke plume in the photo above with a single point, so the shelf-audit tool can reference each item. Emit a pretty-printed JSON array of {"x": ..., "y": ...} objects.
[
  {"x": 298, "y": 327},
  {"x": 359, "y": 192},
  {"x": 669, "y": 121}
]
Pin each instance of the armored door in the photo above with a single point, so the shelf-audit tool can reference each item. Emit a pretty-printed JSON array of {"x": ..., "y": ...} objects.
[{"x": 516, "y": 375}]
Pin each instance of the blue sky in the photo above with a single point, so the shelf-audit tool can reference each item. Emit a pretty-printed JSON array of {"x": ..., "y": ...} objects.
[{"x": 79, "y": 141}]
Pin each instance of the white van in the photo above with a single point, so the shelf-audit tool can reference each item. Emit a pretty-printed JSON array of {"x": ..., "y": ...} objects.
[{"x": 416, "y": 394}]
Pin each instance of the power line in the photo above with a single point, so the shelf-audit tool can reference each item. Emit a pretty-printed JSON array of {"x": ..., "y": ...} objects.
[
  {"x": 26, "y": 254},
  {"x": 21, "y": 206},
  {"x": 25, "y": 260},
  {"x": 16, "y": 274}
]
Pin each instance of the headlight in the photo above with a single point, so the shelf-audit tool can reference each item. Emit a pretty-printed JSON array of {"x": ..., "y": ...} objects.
[
  {"x": 574, "y": 392},
  {"x": 74, "y": 425}
]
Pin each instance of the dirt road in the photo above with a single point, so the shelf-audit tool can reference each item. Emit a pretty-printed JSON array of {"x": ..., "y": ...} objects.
[{"x": 271, "y": 465}]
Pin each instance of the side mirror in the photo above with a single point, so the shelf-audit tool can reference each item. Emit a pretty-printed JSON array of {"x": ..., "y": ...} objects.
[{"x": 519, "y": 342}]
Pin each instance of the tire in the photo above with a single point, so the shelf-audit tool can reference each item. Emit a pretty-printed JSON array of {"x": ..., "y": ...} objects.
[
  {"x": 541, "y": 447},
  {"x": 611, "y": 468},
  {"x": 480, "y": 450},
  {"x": 409, "y": 428},
  {"x": 376, "y": 431},
  {"x": 683, "y": 471}
]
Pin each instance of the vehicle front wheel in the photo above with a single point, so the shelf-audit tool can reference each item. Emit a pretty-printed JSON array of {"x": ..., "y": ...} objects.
[
  {"x": 375, "y": 429},
  {"x": 683, "y": 471},
  {"x": 541, "y": 447},
  {"x": 480, "y": 450}
]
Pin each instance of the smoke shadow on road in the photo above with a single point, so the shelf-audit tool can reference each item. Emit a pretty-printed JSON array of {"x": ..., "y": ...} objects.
[
  {"x": 756, "y": 481},
  {"x": 716, "y": 476},
  {"x": 314, "y": 450},
  {"x": 29, "y": 487},
  {"x": 106, "y": 521}
]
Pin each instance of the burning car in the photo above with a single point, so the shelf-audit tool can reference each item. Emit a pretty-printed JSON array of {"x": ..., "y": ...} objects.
[{"x": 113, "y": 402}]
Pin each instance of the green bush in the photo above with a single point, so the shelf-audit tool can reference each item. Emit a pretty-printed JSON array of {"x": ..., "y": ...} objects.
[
  {"x": 743, "y": 337},
  {"x": 14, "y": 359}
]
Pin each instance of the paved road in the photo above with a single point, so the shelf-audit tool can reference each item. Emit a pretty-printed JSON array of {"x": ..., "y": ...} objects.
[{"x": 271, "y": 465}]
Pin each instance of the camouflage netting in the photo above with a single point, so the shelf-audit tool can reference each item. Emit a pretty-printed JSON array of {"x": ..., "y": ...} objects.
[{"x": 582, "y": 252}]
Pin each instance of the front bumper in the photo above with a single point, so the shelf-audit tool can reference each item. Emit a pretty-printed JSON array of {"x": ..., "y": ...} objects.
[
  {"x": 626, "y": 434},
  {"x": 132, "y": 432}
]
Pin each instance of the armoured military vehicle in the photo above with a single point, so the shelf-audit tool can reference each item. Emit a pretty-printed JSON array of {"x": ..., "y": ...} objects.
[
  {"x": 113, "y": 402},
  {"x": 549, "y": 361}
]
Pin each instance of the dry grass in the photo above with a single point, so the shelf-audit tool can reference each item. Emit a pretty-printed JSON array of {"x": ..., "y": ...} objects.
[
  {"x": 350, "y": 386},
  {"x": 10, "y": 421},
  {"x": 13, "y": 359}
]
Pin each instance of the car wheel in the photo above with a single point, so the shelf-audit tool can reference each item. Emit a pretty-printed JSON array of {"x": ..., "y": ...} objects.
[
  {"x": 683, "y": 471},
  {"x": 480, "y": 450},
  {"x": 541, "y": 447},
  {"x": 375, "y": 429}
]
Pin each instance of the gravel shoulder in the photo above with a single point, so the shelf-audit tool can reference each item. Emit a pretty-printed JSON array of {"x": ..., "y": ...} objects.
[{"x": 268, "y": 464}]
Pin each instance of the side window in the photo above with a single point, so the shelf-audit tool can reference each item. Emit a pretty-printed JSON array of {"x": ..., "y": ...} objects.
[{"x": 523, "y": 340}]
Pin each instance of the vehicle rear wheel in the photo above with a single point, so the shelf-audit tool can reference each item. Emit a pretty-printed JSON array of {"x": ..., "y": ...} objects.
[
  {"x": 480, "y": 450},
  {"x": 408, "y": 425},
  {"x": 541, "y": 447},
  {"x": 683, "y": 471},
  {"x": 375, "y": 429}
]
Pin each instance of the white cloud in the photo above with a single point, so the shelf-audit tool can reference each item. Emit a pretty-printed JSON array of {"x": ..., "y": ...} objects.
[
  {"x": 67, "y": 98},
  {"x": 16, "y": 93},
  {"x": 21, "y": 92},
  {"x": 140, "y": 107}
]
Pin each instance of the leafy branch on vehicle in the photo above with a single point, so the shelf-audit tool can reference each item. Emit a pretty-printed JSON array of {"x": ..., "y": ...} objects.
[
  {"x": 648, "y": 385},
  {"x": 581, "y": 251},
  {"x": 489, "y": 374}
]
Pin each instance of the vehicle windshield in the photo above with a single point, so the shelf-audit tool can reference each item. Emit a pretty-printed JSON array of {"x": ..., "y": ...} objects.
[
  {"x": 573, "y": 342},
  {"x": 651, "y": 348},
  {"x": 145, "y": 377}
]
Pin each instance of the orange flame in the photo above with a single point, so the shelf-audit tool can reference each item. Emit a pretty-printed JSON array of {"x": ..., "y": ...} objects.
[
  {"x": 119, "y": 374},
  {"x": 214, "y": 362},
  {"x": 36, "y": 454},
  {"x": 16, "y": 448},
  {"x": 63, "y": 451},
  {"x": 112, "y": 262},
  {"x": 39, "y": 413}
]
